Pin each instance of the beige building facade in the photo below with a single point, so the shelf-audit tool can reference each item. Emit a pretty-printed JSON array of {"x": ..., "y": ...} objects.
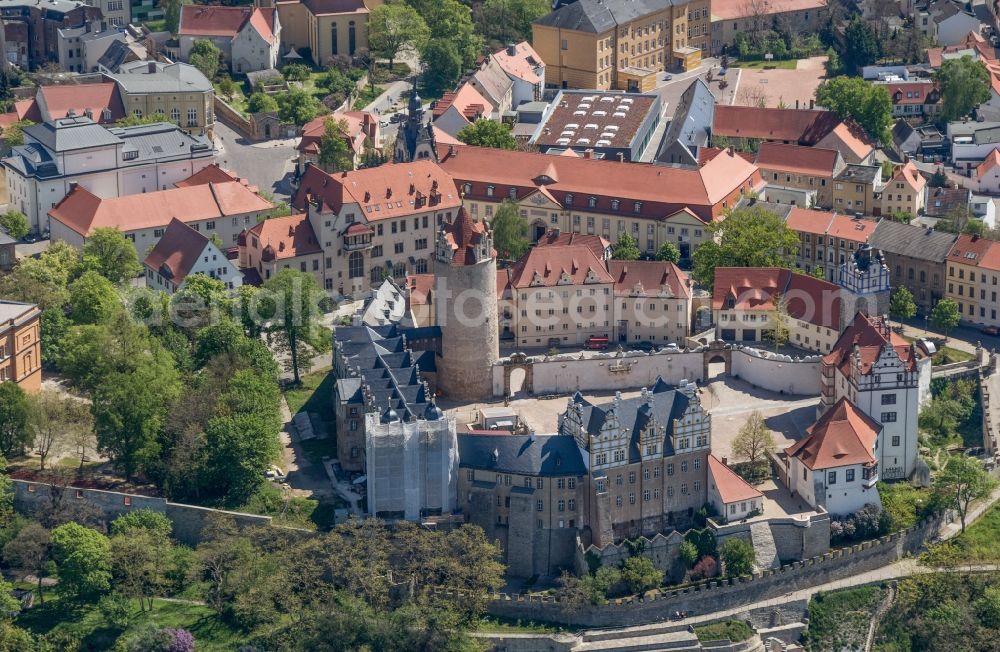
[{"x": 328, "y": 28}]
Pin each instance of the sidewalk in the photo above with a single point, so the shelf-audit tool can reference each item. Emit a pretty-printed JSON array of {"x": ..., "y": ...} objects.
[{"x": 397, "y": 91}]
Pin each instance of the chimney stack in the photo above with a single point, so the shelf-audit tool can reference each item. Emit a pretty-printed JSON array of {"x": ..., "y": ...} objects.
[
  {"x": 151, "y": 67},
  {"x": 511, "y": 49}
]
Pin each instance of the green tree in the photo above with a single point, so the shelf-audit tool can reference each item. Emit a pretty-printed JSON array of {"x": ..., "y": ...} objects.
[
  {"x": 15, "y": 223},
  {"x": 939, "y": 179},
  {"x": 625, "y": 248},
  {"x": 261, "y": 103},
  {"x": 139, "y": 520},
  {"x": 139, "y": 564},
  {"x": 640, "y": 574},
  {"x": 334, "y": 153},
  {"x": 9, "y": 605},
  {"x": 754, "y": 441},
  {"x": 988, "y": 607},
  {"x": 853, "y": 98},
  {"x": 109, "y": 253},
  {"x": 6, "y": 496},
  {"x": 442, "y": 64},
  {"x": 861, "y": 46},
  {"x": 945, "y": 316},
  {"x": 395, "y": 29},
  {"x": 83, "y": 560},
  {"x": 296, "y": 71},
  {"x": 29, "y": 552},
  {"x": 13, "y": 134},
  {"x": 54, "y": 420},
  {"x": 778, "y": 331},
  {"x": 901, "y": 305},
  {"x": 669, "y": 252},
  {"x": 961, "y": 481},
  {"x": 510, "y": 231},
  {"x": 42, "y": 280},
  {"x": 93, "y": 299},
  {"x": 296, "y": 327},
  {"x": 506, "y": 21},
  {"x": 488, "y": 133},
  {"x": 748, "y": 237},
  {"x": 739, "y": 557},
  {"x": 688, "y": 553},
  {"x": 205, "y": 56},
  {"x": 297, "y": 106},
  {"x": 964, "y": 85},
  {"x": 172, "y": 13},
  {"x": 451, "y": 21},
  {"x": 227, "y": 88},
  {"x": 14, "y": 433}
]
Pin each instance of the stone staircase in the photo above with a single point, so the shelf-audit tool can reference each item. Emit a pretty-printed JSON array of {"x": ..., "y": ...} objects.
[
  {"x": 763, "y": 545},
  {"x": 661, "y": 637}
]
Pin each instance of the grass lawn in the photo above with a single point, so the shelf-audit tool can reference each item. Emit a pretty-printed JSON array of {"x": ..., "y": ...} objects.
[
  {"x": 293, "y": 511},
  {"x": 87, "y": 623},
  {"x": 239, "y": 99},
  {"x": 904, "y": 503},
  {"x": 158, "y": 25},
  {"x": 787, "y": 64},
  {"x": 946, "y": 354},
  {"x": 366, "y": 96},
  {"x": 839, "y": 620},
  {"x": 734, "y": 630},
  {"x": 979, "y": 542}
]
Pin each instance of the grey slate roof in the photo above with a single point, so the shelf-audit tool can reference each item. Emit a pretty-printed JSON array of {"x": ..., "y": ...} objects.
[
  {"x": 5, "y": 238},
  {"x": 911, "y": 240},
  {"x": 387, "y": 371},
  {"x": 67, "y": 134},
  {"x": 114, "y": 56},
  {"x": 15, "y": 310},
  {"x": 159, "y": 141},
  {"x": 599, "y": 16},
  {"x": 545, "y": 455},
  {"x": 135, "y": 77},
  {"x": 634, "y": 415},
  {"x": 691, "y": 125}
]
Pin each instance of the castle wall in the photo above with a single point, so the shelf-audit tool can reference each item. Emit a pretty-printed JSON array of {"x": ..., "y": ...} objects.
[{"x": 778, "y": 373}]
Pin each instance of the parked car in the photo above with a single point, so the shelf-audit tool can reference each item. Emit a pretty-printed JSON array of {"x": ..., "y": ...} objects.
[
  {"x": 990, "y": 330},
  {"x": 648, "y": 347},
  {"x": 595, "y": 343}
]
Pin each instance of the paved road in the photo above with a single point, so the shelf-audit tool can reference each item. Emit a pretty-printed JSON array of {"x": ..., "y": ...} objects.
[{"x": 268, "y": 165}]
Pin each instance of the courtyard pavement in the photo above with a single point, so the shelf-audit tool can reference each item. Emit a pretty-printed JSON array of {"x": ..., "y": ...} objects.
[
  {"x": 781, "y": 86},
  {"x": 268, "y": 165}
]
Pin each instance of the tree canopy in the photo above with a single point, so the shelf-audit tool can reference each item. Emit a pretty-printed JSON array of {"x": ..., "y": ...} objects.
[
  {"x": 335, "y": 154},
  {"x": 509, "y": 21},
  {"x": 297, "y": 106},
  {"x": 395, "y": 29},
  {"x": 964, "y": 85},
  {"x": 945, "y": 316},
  {"x": 901, "y": 304},
  {"x": 861, "y": 46},
  {"x": 488, "y": 133},
  {"x": 738, "y": 556},
  {"x": 259, "y": 102},
  {"x": 205, "y": 56},
  {"x": 510, "y": 231},
  {"x": 961, "y": 481},
  {"x": 854, "y": 98},
  {"x": 625, "y": 248},
  {"x": 669, "y": 252},
  {"x": 748, "y": 237},
  {"x": 109, "y": 253},
  {"x": 15, "y": 223},
  {"x": 442, "y": 64}
]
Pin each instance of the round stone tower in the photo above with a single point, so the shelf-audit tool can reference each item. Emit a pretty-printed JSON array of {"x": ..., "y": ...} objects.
[{"x": 466, "y": 308}]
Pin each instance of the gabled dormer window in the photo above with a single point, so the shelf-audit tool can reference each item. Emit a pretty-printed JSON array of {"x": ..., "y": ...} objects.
[
  {"x": 592, "y": 202},
  {"x": 615, "y": 204},
  {"x": 489, "y": 191},
  {"x": 569, "y": 199}
]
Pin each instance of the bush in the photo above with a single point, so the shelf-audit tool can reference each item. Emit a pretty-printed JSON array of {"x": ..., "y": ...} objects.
[
  {"x": 739, "y": 557},
  {"x": 868, "y": 522},
  {"x": 733, "y": 630},
  {"x": 115, "y": 608},
  {"x": 640, "y": 574},
  {"x": 296, "y": 72},
  {"x": 703, "y": 540},
  {"x": 705, "y": 569},
  {"x": 689, "y": 554}
]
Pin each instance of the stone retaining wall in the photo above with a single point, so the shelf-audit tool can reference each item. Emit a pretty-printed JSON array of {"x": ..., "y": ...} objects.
[
  {"x": 188, "y": 520},
  {"x": 715, "y": 595}
]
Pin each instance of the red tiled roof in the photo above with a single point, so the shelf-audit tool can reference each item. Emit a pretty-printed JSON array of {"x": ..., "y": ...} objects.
[
  {"x": 286, "y": 237},
  {"x": 660, "y": 191},
  {"x": 313, "y": 131},
  {"x": 871, "y": 335},
  {"x": 991, "y": 161},
  {"x": 843, "y": 436},
  {"x": 419, "y": 288},
  {"x": 213, "y": 173},
  {"x": 911, "y": 175},
  {"x": 558, "y": 239},
  {"x": 806, "y": 220},
  {"x": 521, "y": 64},
  {"x": 850, "y": 228},
  {"x": 550, "y": 266},
  {"x": 28, "y": 110},
  {"x": 732, "y": 9},
  {"x": 796, "y": 158},
  {"x": 991, "y": 259},
  {"x": 848, "y": 137},
  {"x": 706, "y": 154},
  {"x": 83, "y": 211},
  {"x": 731, "y": 487},
  {"x": 755, "y": 289},
  {"x": 803, "y": 126},
  {"x": 57, "y": 101},
  {"x": 467, "y": 100},
  {"x": 969, "y": 250},
  {"x": 384, "y": 192},
  {"x": 177, "y": 251},
  {"x": 262, "y": 20},
  {"x": 214, "y": 20},
  {"x": 7, "y": 119},
  {"x": 919, "y": 92},
  {"x": 463, "y": 234},
  {"x": 655, "y": 278}
]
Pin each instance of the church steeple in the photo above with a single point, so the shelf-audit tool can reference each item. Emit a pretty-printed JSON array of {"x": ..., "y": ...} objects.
[{"x": 415, "y": 138}]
